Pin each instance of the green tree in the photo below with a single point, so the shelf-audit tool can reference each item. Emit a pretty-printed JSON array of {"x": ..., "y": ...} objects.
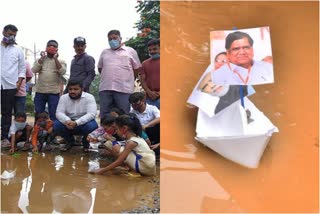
[
  {"x": 148, "y": 25},
  {"x": 29, "y": 104},
  {"x": 94, "y": 88}
]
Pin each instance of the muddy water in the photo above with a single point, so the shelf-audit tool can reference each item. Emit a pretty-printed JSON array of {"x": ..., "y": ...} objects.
[
  {"x": 50, "y": 182},
  {"x": 196, "y": 179}
]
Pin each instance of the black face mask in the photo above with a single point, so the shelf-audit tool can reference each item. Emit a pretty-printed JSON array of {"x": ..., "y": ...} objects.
[
  {"x": 43, "y": 124},
  {"x": 75, "y": 98}
]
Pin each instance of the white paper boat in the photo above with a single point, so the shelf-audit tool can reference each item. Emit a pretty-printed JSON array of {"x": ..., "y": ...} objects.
[
  {"x": 229, "y": 134},
  {"x": 8, "y": 174},
  {"x": 93, "y": 165}
]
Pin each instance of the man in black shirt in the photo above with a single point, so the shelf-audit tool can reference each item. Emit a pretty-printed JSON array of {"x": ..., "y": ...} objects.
[{"x": 83, "y": 65}]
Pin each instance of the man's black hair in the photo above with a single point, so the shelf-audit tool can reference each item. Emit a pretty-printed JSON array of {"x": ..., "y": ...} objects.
[
  {"x": 136, "y": 96},
  {"x": 52, "y": 41},
  {"x": 116, "y": 32},
  {"x": 20, "y": 114},
  {"x": 74, "y": 82},
  {"x": 154, "y": 42},
  {"x": 10, "y": 27},
  {"x": 236, "y": 36}
]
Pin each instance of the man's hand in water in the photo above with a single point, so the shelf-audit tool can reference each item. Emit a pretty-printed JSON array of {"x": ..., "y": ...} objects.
[{"x": 99, "y": 171}]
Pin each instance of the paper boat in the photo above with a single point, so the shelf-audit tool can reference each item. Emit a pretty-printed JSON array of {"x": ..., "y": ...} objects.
[
  {"x": 229, "y": 133},
  {"x": 8, "y": 174}
]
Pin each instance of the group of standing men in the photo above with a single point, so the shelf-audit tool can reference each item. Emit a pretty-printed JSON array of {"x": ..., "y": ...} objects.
[{"x": 118, "y": 67}]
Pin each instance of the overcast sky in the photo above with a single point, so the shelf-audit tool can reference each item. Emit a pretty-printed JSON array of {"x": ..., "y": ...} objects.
[{"x": 41, "y": 20}]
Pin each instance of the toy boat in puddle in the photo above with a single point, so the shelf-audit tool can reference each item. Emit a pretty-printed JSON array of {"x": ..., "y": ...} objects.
[{"x": 231, "y": 135}]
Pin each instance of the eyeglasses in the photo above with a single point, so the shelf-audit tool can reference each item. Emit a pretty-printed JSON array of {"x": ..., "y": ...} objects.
[
  {"x": 138, "y": 103},
  {"x": 237, "y": 49}
]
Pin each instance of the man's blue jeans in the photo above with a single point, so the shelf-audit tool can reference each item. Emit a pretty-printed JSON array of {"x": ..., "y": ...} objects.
[
  {"x": 40, "y": 101},
  {"x": 154, "y": 102},
  {"x": 83, "y": 130},
  {"x": 19, "y": 104},
  {"x": 110, "y": 99}
]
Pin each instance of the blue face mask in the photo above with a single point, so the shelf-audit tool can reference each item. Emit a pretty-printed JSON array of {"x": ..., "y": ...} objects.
[
  {"x": 20, "y": 125},
  {"x": 9, "y": 40},
  {"x": 114, "y": 43},
  {"x": 155, "y": 56}
]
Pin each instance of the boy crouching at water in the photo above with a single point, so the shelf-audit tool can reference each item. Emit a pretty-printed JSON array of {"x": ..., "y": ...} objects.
[
  {"x": 136, "y": 152},
  {"x": 105, "y": 132},
  {"x": 20, "y": 130},
  {"x": 42, "y": 132}
]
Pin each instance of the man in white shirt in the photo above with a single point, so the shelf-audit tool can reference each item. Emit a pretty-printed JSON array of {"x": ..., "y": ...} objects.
[
  {"x": 241, "y": 68},
  {"x": 75, "y": 114},
  {"x": 13, "y": 71}
]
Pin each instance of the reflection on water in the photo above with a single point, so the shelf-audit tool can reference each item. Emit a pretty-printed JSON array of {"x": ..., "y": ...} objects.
[
  {"x": 287, "y": 179},
  {"x": 54, "y": 183},
  {"x": 194, "y": 176}
]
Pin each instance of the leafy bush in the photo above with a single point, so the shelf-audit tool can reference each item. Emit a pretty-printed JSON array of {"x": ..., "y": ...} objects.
[
  {"x": 148, "y": 25},
  {"x": 29, "y": 104},
  {"x": 94, "y": 88}
]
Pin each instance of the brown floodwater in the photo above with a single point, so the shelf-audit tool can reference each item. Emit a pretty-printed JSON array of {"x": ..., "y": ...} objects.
[
  {"x": 195, "y": 178},
  {"x": 60, "y": 183}
]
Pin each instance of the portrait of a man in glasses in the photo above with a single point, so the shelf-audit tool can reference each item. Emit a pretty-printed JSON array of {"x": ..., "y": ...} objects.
[{"x": 242, "y": 68}]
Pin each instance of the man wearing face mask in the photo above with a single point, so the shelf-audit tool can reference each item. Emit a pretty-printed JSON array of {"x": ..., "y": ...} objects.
[
  {"x": 50, "y": 70},
  {"x": 76, "y": 114},
  {"x": 150, "y": 74},
  {"x": 118, "y": 66},
  {"x": 13, "y": 71},
  {"x": 82, "y": 65}
]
